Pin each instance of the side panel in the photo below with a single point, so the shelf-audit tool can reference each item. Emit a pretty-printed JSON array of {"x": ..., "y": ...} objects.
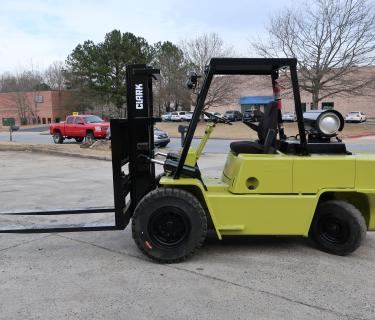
[
  {"x": 262, "y": 214},
  {"x": 365, "y": 172},
  {"x": 314, "y": 173},
  {"x": 259, "y": 173},
  {"x": 371, "y": 198},
  {"x": 248, "y": 214}
]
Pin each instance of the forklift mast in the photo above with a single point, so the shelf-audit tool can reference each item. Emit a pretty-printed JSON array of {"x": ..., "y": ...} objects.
[
  {"x": 133, "y": 144},
  {"x": 133, "y": 174}
]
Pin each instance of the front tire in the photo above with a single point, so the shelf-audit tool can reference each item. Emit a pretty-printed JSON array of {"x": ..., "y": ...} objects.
[
  {"x": 169, "y": 225},
  {"x": 57, "y": 138},
  {"x": 338, "y": 227}
]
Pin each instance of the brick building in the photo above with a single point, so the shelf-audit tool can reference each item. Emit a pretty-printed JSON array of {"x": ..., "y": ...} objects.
[{"x": 34, "y": 107}]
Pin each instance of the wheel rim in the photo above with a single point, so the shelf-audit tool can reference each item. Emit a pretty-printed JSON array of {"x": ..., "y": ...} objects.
[
  {"x": 334, "y": 230},
  {"x": 56, "y": 138},
  {"x": 168, "y": 226},
  {"x": 89, "y": 139}
]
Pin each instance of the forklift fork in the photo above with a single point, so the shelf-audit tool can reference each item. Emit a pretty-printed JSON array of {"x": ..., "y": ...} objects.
[{"x": 133, "y": 176}]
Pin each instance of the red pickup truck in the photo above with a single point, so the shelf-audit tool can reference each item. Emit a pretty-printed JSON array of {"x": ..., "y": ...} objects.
[{"x": 79, "y": 127}]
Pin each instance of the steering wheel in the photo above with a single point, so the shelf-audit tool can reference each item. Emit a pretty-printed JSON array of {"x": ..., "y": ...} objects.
[{"x": 217, "y": 118}]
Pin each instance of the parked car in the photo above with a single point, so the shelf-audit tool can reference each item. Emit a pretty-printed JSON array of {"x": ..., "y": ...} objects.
[
  {"x": 188, "y": 115},
  {"x": 233, "y": 115},
  {"x": 177, "y": 115},
  {"x": 161, "y": 138},
  {"x": 166, "y": 116},
  {"x": 218, "y": 114},
  {"x": 79, "y": 127},
  {"x": 355, "y": 116},
  {"x": 252, "y": 115},
  {"x": 289, "y": 117}
]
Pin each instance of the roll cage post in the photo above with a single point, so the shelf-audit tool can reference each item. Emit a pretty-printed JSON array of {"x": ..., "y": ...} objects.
[{"x": 195, "y": 119}]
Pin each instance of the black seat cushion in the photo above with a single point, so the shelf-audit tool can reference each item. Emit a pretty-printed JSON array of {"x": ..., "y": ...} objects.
[{"x": 238, "y": 147}]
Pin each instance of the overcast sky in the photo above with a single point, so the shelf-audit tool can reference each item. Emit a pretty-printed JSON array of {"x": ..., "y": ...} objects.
[{"x": 38, "y": 32}]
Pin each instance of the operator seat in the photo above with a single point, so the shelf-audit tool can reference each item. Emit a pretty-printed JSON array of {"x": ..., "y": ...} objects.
[{"x": 266, "y": 130}]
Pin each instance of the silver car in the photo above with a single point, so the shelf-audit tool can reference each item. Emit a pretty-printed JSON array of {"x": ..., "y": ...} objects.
[
  {"x": 161, "y": 138},
  {"x": 289, "y": 117}
]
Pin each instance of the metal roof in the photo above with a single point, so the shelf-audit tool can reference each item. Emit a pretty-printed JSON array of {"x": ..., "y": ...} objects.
[
  {"x": 256, "y": 100},
  {"x": 250, "y": 66}
]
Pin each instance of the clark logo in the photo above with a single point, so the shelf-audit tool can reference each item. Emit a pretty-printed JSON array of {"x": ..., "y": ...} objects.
[{"x": 139, "y": 96}]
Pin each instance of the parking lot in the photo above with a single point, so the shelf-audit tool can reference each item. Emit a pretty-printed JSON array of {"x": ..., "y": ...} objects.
[{"x": 102, "y": 275}]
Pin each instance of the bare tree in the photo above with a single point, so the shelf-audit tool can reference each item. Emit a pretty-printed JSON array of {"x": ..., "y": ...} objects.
[
  {"x": 54, "y": 75},
  {"x": 19, "y": 84},
  {"x": 20, "y": 81},
  {"x": 332, "y": 39},
  {"x": 170, "y": 89},
  {"x": 198, "y": 52},
  {"x": 23, "y": 105}
]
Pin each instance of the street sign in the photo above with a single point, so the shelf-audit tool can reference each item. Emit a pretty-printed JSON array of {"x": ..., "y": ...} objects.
[{"x": 8, "y": 122}]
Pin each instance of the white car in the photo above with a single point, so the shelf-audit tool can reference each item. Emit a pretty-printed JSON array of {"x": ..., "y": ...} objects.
[
  {"x": 166, "y": 116},
  {"x": 177, "y": 115},
  {"x": 355, "y": 116},
  {"x": 289, "y": 116},
  {"x": 188, "y": 115},
  {"x": 214, "y": 113}
]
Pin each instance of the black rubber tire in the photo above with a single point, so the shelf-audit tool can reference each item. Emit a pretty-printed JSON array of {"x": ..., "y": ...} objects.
[
  {"x": 57, "y": 138},
  {"x": 90, "y": 137},
  {"x": 78, "y": 139},
  {"x": 159, "y": 206},
  {"x": 338, "y": 227},
  {"x": 162, "y": 145}
]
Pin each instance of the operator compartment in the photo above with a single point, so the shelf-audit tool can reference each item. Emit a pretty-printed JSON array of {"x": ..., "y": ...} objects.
[{"x": 258, "y": 173}]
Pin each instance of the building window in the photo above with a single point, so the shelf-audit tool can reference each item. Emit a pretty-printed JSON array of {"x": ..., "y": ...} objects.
[
  {"x": 39, "y": 99},
  {"x": 49, "y": 120},
  {"x": 44, "y": 120},
  {"x": 327, "y": 105}
]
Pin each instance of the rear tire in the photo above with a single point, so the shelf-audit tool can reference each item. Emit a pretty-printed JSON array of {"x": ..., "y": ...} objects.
[
  {"x": 338, "y": 227},
  {"x": 169, "y": 225},
  {"x": 90, "y": 138},
  {"x": 57, "y": 138}
]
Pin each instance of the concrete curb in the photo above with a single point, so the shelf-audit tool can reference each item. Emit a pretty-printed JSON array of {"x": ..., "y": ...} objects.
[{"x": 41, "y": 149}]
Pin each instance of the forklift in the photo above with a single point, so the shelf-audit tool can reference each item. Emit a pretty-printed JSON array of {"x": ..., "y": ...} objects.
[{"x": 306, "y": 185}]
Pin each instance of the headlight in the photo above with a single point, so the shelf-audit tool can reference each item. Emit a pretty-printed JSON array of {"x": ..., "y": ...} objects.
[
  {"x": 324, "y": 123},
  {"x": 98, "y": 128}
]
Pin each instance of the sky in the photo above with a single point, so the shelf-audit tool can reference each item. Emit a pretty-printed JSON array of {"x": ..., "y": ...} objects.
[{"x": 35, "y": 33}]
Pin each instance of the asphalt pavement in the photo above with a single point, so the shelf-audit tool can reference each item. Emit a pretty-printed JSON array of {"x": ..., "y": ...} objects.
[{"x": 102, "y": 275}]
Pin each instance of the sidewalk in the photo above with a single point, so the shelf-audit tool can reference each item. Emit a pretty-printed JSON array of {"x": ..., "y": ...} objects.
[{"x": 72, "y": 150}]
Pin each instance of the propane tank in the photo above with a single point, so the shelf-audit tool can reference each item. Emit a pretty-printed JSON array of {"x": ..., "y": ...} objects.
[{"x": 323, "y": 124}]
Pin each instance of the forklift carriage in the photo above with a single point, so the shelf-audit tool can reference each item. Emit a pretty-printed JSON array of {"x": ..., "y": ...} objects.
[{"x": 308, "y": 185}]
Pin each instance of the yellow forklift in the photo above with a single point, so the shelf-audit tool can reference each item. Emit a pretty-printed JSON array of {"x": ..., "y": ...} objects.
[{"x": 305, "y": 185}]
